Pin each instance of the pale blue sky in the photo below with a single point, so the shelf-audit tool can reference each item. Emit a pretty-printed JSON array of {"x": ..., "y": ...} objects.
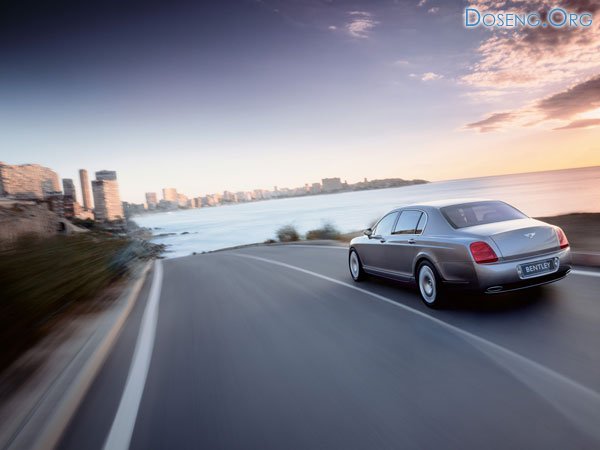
[{"x": 251, "y": 94}]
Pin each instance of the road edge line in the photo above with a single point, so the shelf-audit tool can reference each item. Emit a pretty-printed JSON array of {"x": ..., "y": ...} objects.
[
  {"x": 585, "y": 273},
  {"x": 121, "y": 430},
  {"x": 68, "y": 401}
]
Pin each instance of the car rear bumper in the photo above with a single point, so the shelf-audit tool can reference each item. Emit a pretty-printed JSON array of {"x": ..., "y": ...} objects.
[
  {"x": 504, "y": 276},
  {"x": 531, "y": 282}
]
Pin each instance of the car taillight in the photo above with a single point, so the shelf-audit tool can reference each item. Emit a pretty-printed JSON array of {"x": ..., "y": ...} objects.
[
  {"x": 483, "y": 253},
  {"x": 562, "y": 238}
]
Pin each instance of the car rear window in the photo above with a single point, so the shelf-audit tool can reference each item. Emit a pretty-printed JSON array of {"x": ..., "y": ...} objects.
[{"x": 479, "y": 213}]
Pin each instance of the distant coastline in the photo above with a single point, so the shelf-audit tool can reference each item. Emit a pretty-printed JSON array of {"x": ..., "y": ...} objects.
[
  {"x": 133, "y": 210},
  {"x": 540, "y": 194}
]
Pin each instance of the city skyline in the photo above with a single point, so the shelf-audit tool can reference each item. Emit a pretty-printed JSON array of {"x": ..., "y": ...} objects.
[
  {"x": 229, "y": 95},
  {"x": 83, "y": 179}
]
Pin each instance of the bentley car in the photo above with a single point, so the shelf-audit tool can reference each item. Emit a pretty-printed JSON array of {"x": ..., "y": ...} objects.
[{"x": 475, "y": 245}]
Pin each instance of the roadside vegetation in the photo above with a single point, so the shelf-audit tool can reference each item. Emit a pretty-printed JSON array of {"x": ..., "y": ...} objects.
[
  {"x": 41, "y": 278},
  {"x": 327, "y": 231},
  {"x": 288, "y": 233}
]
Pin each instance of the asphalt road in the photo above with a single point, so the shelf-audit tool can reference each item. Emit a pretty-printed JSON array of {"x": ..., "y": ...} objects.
[{"x": 277, "y": 348}]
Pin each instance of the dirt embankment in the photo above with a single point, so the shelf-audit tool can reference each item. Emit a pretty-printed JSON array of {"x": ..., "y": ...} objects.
[
  {"x": 30, "y": 219},
  {"x": 582, "y": 230},
  {"x": 20, "y": 218}
]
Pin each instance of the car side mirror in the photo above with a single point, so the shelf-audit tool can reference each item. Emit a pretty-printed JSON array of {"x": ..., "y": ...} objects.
[{"x": 368, "y": 232}]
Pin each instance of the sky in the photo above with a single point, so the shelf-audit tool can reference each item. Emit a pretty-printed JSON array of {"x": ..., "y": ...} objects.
[{"x": 246, "y": 94}]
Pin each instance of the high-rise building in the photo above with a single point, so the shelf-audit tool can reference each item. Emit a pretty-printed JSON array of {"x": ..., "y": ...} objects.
[
  {"x": 331, "y": 184},
  {"x": 71, "y": 208},
  {"x": 229, "y": 197},
  {"x": 213, "y": 199},
  {"x": 106, "y": 175},
  {"x": 182, "y": 200},
  {"x": 69, "y": 189},
  {"x": 85, "y": 189},
  {"x": 151, "y": 200},
  {"x": 28, "y": 181},
  {"x": 243, "y": 196},
  {"x": 170, "y": 194},
  {"x": 107, "y": 200}
]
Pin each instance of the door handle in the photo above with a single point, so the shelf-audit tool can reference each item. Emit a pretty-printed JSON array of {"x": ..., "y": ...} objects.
[{"x": 411, "y": 241}]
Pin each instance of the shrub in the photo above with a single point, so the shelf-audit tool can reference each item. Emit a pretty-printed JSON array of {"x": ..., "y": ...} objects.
[
  {"x": 327, "y": 231},
  {"x": 287, "y": 233}
]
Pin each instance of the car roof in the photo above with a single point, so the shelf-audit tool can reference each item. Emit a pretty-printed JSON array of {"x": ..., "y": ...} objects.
[{"x": 446, "y": 202}]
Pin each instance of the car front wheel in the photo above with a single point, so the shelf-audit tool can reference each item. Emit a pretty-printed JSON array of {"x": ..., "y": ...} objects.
[
  {"x": 356, "y": 269},
  {"x": 429, "y": 285}
]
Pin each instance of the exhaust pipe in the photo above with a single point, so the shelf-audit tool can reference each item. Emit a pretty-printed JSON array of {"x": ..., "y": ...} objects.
[{"x": 494, "y": 289}]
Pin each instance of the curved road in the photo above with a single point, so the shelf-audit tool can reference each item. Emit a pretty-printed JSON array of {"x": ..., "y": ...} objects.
[{"x": 276, "y": 348}]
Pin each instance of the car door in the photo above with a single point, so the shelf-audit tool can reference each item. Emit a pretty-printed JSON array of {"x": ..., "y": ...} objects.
[
  {"x": 372, "y": 253},
  {"x": 402, "y": 246}
]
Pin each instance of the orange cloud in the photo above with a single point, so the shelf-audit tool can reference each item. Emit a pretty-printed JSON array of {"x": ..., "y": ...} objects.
[{"x": 568, "y": 104}]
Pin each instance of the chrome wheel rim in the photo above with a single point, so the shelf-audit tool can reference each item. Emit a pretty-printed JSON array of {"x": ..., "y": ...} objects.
[
  {"x": 427, "y": 284},
  {"x": 354, "y": 265}
]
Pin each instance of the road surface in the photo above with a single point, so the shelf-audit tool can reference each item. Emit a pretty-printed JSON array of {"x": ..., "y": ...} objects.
[{"x": 277, "y": 348}]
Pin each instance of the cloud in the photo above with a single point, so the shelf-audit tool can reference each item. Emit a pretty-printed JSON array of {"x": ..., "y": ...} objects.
[
  {"x": 525, "y": 61},
  {"x": 361, "y": 24},
  {"x": 421, "y": 3},
  {"x": 493, "y": 122},
  {"x": 401, "y": 63},
  {"x": 433, "y": 10},
  {"x": 567, "y": 105},
  {"x": 577, "y": 99},
  {"x": 431, "y": 76},
  {"x": 528, "y": 57},
  {"x": 332, "y": 27},
  {"x": 582, "y": 123}
]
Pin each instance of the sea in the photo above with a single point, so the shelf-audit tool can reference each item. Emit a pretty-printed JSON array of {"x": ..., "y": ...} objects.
[{"x": 538, "y": 194}]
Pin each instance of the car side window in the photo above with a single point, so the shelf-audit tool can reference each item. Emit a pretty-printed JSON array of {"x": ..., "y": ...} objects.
[
  {"x": 408, "y": 222},
  {"x": 384, "y": 226},
  {"x": 421, "y": 224}
]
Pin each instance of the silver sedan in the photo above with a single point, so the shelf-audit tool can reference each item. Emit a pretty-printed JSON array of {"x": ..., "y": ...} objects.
[{"x": 478, "y": 245}]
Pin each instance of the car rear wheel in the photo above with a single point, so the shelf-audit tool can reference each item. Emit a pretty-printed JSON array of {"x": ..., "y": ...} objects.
[
  {"x": 356, "y": 269},
  {"x": 429, "y": 285}
]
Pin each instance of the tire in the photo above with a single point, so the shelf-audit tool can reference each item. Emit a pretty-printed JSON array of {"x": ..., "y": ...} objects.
[
  {"x": 355, "y": 265},
  {"x": 430, "y": 286}
]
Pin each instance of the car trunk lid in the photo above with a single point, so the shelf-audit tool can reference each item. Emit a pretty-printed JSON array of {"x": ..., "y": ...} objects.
[{"x": 519, "y": 238}]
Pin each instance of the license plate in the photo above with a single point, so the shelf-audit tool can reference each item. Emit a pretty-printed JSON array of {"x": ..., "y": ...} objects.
[{"x": 536, "y": 268}]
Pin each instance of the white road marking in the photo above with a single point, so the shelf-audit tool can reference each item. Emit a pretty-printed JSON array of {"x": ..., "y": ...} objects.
[
  {"x": 121, "y": 431},
  {"x": 578, "y": 403},
  {"x": 587, "y": 273},
  {"x": 337, "y": 247}
]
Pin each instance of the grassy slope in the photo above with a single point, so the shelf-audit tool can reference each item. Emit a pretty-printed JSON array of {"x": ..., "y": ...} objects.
[{"x": 39, "y": 278}]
